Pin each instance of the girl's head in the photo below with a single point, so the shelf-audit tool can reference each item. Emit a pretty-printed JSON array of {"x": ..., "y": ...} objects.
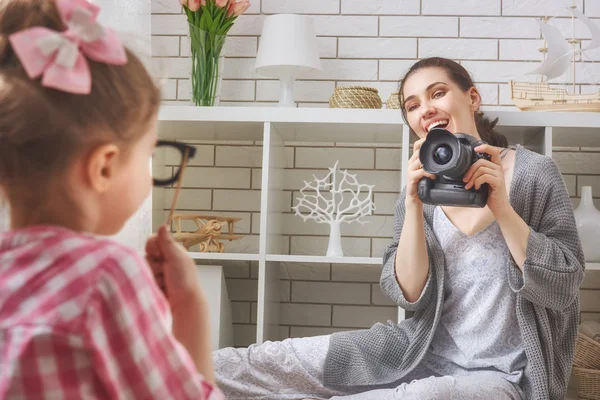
[
  {"x": 76, "y": 160},
  {"x": 440, "y": 92}
]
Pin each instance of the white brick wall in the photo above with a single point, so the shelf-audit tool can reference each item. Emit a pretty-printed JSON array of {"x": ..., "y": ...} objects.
[
  {"x": 374, "y": 42},
  {"x": 362, "y": 42}
]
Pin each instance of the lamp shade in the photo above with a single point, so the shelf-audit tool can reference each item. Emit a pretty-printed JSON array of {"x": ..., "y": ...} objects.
[{"x": 288, "y": 46}]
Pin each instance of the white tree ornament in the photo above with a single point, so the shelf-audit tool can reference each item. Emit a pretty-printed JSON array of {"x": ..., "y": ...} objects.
[{"x": 346, "y": 201}]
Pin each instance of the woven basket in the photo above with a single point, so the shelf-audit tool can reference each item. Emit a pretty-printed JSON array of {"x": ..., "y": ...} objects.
[
  {"x": 355, "y": 97},
  {"x": 587, "y": 352},
  {"x": 588, "y": 383},
  {"x": 393, "y": 101}
]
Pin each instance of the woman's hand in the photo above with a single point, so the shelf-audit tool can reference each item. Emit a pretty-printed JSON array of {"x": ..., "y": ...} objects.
[
  {"x": 414, "y": 174},
  {"x": 174, "y": 271},
  {"x": 492, "y": 173}
]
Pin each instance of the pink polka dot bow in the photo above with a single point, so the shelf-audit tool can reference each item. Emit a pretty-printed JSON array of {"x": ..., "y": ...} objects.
[{"x": 60, "y": 57}]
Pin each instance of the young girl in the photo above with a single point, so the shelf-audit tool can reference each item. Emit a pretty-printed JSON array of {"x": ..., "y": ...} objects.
[
  {"x": 82, "y": 317},
  {"x": 494, "y": 290}
]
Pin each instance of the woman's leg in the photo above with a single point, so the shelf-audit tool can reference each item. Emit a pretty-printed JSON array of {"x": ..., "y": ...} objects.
[
  {"x": 290, "y": 369},
  {"x": 465, "y": 387}
]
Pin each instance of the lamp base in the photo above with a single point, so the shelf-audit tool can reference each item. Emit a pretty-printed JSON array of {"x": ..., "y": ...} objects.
[{"x": 286, "y": 91}]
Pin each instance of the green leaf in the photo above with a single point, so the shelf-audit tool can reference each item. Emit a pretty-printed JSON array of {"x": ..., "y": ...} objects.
[
  {"x": 219, "y": 21},
  {"x": 190, "y": 14},
  {"x": 225, "y": 28},
  {"x": 209, "y": 22}
]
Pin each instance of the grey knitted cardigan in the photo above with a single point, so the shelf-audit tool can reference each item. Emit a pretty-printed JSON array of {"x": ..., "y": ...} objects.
[{"x": 547, "y": 302}]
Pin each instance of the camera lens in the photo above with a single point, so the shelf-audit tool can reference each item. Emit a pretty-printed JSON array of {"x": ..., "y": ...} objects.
[{"x": 442, "y": 154}]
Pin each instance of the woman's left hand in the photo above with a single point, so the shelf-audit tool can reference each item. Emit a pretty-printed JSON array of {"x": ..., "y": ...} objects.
[{"x": 492, "y": 173}]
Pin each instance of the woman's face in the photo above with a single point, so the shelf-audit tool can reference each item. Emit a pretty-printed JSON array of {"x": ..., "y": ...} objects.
[{"x": 431, "y": 99}]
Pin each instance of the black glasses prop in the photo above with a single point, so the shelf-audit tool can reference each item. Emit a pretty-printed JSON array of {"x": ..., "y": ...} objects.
[{"x": 177, "y": 154}]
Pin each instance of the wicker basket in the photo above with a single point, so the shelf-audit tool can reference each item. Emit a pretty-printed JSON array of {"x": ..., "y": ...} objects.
[
  {"x": 393, "y": 101},
  {"x": 587, "y": 352},
  {"x": 355, "y": 97},
  {"x": 588, "y": 383}
]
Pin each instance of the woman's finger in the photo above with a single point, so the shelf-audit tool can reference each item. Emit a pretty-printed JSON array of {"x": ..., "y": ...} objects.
[
  {"x": 480, "y": 171},
  {"x": 415, "y": 176},
  {"x": 415, "y": 165},
  {"x": 417, "y": 147},
  {"x": 477, "y": 165},
  {"x": 485, "y": 178},
  {"x": 493, "y": 151}
]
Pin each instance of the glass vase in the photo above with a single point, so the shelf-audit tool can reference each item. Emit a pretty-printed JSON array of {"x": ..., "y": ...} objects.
[{"x": 207, "y": 66}]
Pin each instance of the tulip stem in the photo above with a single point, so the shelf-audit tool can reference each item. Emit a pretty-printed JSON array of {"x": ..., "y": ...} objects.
[{"x": 206, "y": 50}]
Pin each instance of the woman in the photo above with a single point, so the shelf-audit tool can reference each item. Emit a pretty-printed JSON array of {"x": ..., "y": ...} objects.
[{"x": 494, "y": 290}]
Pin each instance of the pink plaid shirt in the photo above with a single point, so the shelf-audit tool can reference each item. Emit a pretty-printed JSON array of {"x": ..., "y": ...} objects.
[{"x": 81, "y": 318}]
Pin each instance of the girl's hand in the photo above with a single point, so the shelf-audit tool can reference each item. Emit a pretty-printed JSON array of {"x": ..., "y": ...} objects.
[
  {"x": 492, "y": 173},
  {"x": 414, "y": 174},
  {"x": 174, "y": 271}
]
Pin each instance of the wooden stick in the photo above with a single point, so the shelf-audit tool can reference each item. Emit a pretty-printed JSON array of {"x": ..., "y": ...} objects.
[{"x": 176, "y": 195}]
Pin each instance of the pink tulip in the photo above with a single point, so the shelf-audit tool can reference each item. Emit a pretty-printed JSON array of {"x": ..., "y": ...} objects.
[
  {"x": 194, "y": 5},
  {"x": 221, "y": 3},
  {"x": 238, "y": 8}
]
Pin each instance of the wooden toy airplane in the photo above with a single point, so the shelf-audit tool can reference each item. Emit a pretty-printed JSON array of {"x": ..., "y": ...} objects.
[{"x": 209, "y": 233}]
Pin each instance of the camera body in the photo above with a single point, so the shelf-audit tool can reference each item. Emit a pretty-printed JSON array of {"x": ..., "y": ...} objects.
[{"x": 448, "y": 156}]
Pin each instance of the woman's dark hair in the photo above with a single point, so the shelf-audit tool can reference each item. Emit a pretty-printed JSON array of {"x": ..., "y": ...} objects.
[{"x": 460, "y": 76}]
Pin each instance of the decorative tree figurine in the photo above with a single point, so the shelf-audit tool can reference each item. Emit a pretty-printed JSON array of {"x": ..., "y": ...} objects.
[{"x": 348, "y": 201}]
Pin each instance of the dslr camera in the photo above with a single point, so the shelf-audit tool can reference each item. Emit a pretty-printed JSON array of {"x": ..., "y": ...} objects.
[{"x": 448, "y": 156}]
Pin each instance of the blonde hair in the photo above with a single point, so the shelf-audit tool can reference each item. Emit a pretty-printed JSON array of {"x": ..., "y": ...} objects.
[{"x": 42, "y": 129}]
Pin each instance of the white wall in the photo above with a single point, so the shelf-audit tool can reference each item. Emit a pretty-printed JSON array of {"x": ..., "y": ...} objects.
[
  {"x": 368, "y": 42},
  {"x": 373, "y": 41},
  {"x": 131, "y": 19}
]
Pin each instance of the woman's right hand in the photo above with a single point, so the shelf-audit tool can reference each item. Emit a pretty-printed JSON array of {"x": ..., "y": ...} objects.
[{"x": 414, "y": 174}]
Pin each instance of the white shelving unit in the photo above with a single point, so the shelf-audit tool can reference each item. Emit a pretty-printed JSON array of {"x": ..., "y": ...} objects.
[
  {"x": 275, "y": 126},
  {"x": 592, "y": 266}
]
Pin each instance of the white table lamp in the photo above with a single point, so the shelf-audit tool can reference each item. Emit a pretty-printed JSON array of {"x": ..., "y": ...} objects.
[{"x": 288, "y": 49}]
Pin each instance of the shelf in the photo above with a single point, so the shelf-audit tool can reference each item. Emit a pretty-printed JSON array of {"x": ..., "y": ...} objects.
[
  {"x": 579, "y": 137},
  {"x": 279, "y": 114},
  {"x": 543, "y": 119},
  {"x": 324, "y": 259},
  {"x": 342, "y": 260},
  {"x": 354, "y": 125},
  {"x": 292, "y": 124},
  {"x": 361, "y": 116},
  {"x": 223, "y": 256},
  {"x": 272, "y": 128},
  {"x": 592, "y": 266}
]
